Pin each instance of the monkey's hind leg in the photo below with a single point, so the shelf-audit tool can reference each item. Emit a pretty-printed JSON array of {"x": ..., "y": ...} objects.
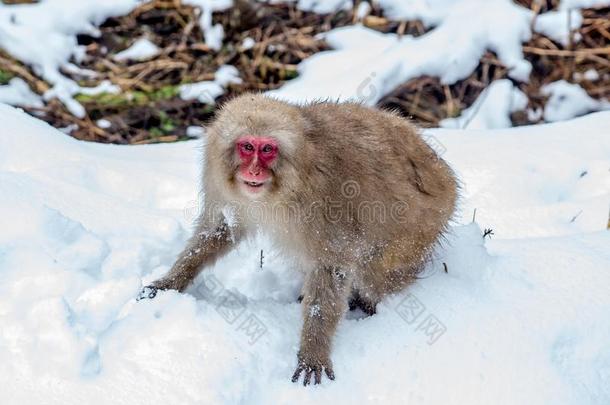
[
  {"x": 356, "y": 301},
  {"x": 391, "y": 272},
  {"x": 324, "y": 303}
]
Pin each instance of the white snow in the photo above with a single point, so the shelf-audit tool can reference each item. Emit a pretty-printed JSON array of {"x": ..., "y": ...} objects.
[
  {"x": 520, "y": 318},
  {"x": 591, "y": 75},
  {"x": 569, "y": 100},
  {"x": 571, "y": 4},
  {"x": 534, "y": 114},
  {"x": 365, "y": 64},
  {"x": 103, "y": 123},
  {"x": 319, "y": 6},
  {"x": 195, "y": 132},
  {"x": 17, "y": 92},
  {"x": 208, "y": 91},
  {"x": 363, "y": 10},
  {"x": 141, "y": 49},
  {"x": 213, "y": 33},
  {"x": 104, "y": 87},
  {"x": 43, "y": 35},
  {"x": 557, "y": 25},
  {"x": 323, "y": 7},
  {"x": 430, "y": 12},
  {"x": 492, "y": 109},
  {"x": 248, "y": 43}
]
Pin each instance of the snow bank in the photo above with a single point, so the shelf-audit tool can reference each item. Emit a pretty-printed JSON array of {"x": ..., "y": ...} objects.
[
  {"x": 365, "y": 65},
  {"x": 43, "y": 35},
  {"x": 430, "y": 12},
  {"x": 522, "y": 318},
  {"x": 557, "y": 25},
  {"x": 571, "y": 4},
  {"x": 213, "y": 34},
  {"x": 208, "y": 91},
  {"x": 17, "y": 92},
  {"x": 141, "y": 49},
  {"x": 492, "y": 109},
  {"x": 569, "y": 100},
  {"x": 326, "y": 6},
  {"x": 57, "y": 22}
]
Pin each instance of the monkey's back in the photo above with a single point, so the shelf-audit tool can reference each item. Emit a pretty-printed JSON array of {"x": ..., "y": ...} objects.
[{"x": 370, "y": 158}]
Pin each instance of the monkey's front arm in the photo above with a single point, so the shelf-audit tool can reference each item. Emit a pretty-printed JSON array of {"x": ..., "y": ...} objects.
[{"x": 205, "y": 246}]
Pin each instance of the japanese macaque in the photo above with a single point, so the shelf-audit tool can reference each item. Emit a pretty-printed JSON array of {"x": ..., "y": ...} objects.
[{"x": 353, "y": 193}]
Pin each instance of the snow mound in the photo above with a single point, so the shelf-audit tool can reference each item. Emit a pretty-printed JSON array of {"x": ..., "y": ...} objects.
[
  {"x": 59, "y": 21},
  {"x": 568, "y": 100},
  {"x": 208, "y": 91},
  {"x": 366, "y": 64},
  {"x": 141, "y": 49},
  {"x": 213, "y": 33},
  {"x": 17, "y": 92},
  {"x": 557, "y": 25},
  {"x": 43, "y": 35},
  {"x": 83, "y": 225},
  {"x": 492, "y": 109}
]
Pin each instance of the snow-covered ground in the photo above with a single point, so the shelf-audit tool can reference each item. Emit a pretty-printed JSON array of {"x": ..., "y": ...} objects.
[
  {"x": 365, "y": 64},
  {"x": 523, "y": 318}
]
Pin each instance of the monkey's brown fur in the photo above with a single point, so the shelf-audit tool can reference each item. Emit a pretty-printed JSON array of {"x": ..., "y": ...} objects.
[{"x": 331, "y": 155}]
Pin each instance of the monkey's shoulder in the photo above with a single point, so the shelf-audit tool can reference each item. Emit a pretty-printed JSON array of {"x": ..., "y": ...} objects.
[{"x": 355, "y": 123}]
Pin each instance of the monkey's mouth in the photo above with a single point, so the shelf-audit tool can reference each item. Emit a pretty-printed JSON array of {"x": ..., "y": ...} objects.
[
  {"x": 252, "y": 187},
  {"x": 253, "y": 184}
]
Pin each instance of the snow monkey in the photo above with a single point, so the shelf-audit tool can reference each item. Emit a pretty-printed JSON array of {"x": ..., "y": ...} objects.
[{"x": 352, "y": 193}]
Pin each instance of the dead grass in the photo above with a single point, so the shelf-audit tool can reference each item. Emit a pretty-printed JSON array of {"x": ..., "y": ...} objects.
[{"x": 149, "y": 109}]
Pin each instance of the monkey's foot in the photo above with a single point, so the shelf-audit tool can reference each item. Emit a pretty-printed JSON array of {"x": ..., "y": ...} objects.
[
  {"x": 314, "y": 368},
  {"x": 366, "y": 306},
  {"x": 150, "y": 292}
]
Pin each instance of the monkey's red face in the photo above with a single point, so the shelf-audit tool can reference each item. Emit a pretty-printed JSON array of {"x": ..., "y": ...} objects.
[{"x": 256, "y": 156}]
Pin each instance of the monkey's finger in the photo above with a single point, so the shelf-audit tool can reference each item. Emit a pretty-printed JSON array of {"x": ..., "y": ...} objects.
[
  {"x": 307, "y": 378},
  {"x": 149, "y": 292},
  {"x": 318, "y": 378},
  {"x": 297, "y": 373},
  {"x": 330, "y": 373}
]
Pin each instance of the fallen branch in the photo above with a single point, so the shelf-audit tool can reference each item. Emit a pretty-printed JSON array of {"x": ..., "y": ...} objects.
[{"x": 567, "y": 53}]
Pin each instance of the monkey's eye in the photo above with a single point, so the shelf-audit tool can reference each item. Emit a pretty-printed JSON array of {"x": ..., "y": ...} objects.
[
  {"x": 267, "y": 148},
  {"x": 247, "y": 147}
]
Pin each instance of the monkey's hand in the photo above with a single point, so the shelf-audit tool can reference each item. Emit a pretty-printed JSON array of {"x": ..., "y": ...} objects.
[
  {"x": 150, "y": 292},
  {"x": 165, "y": 283},
  {"x": 313, "y": 364}
]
